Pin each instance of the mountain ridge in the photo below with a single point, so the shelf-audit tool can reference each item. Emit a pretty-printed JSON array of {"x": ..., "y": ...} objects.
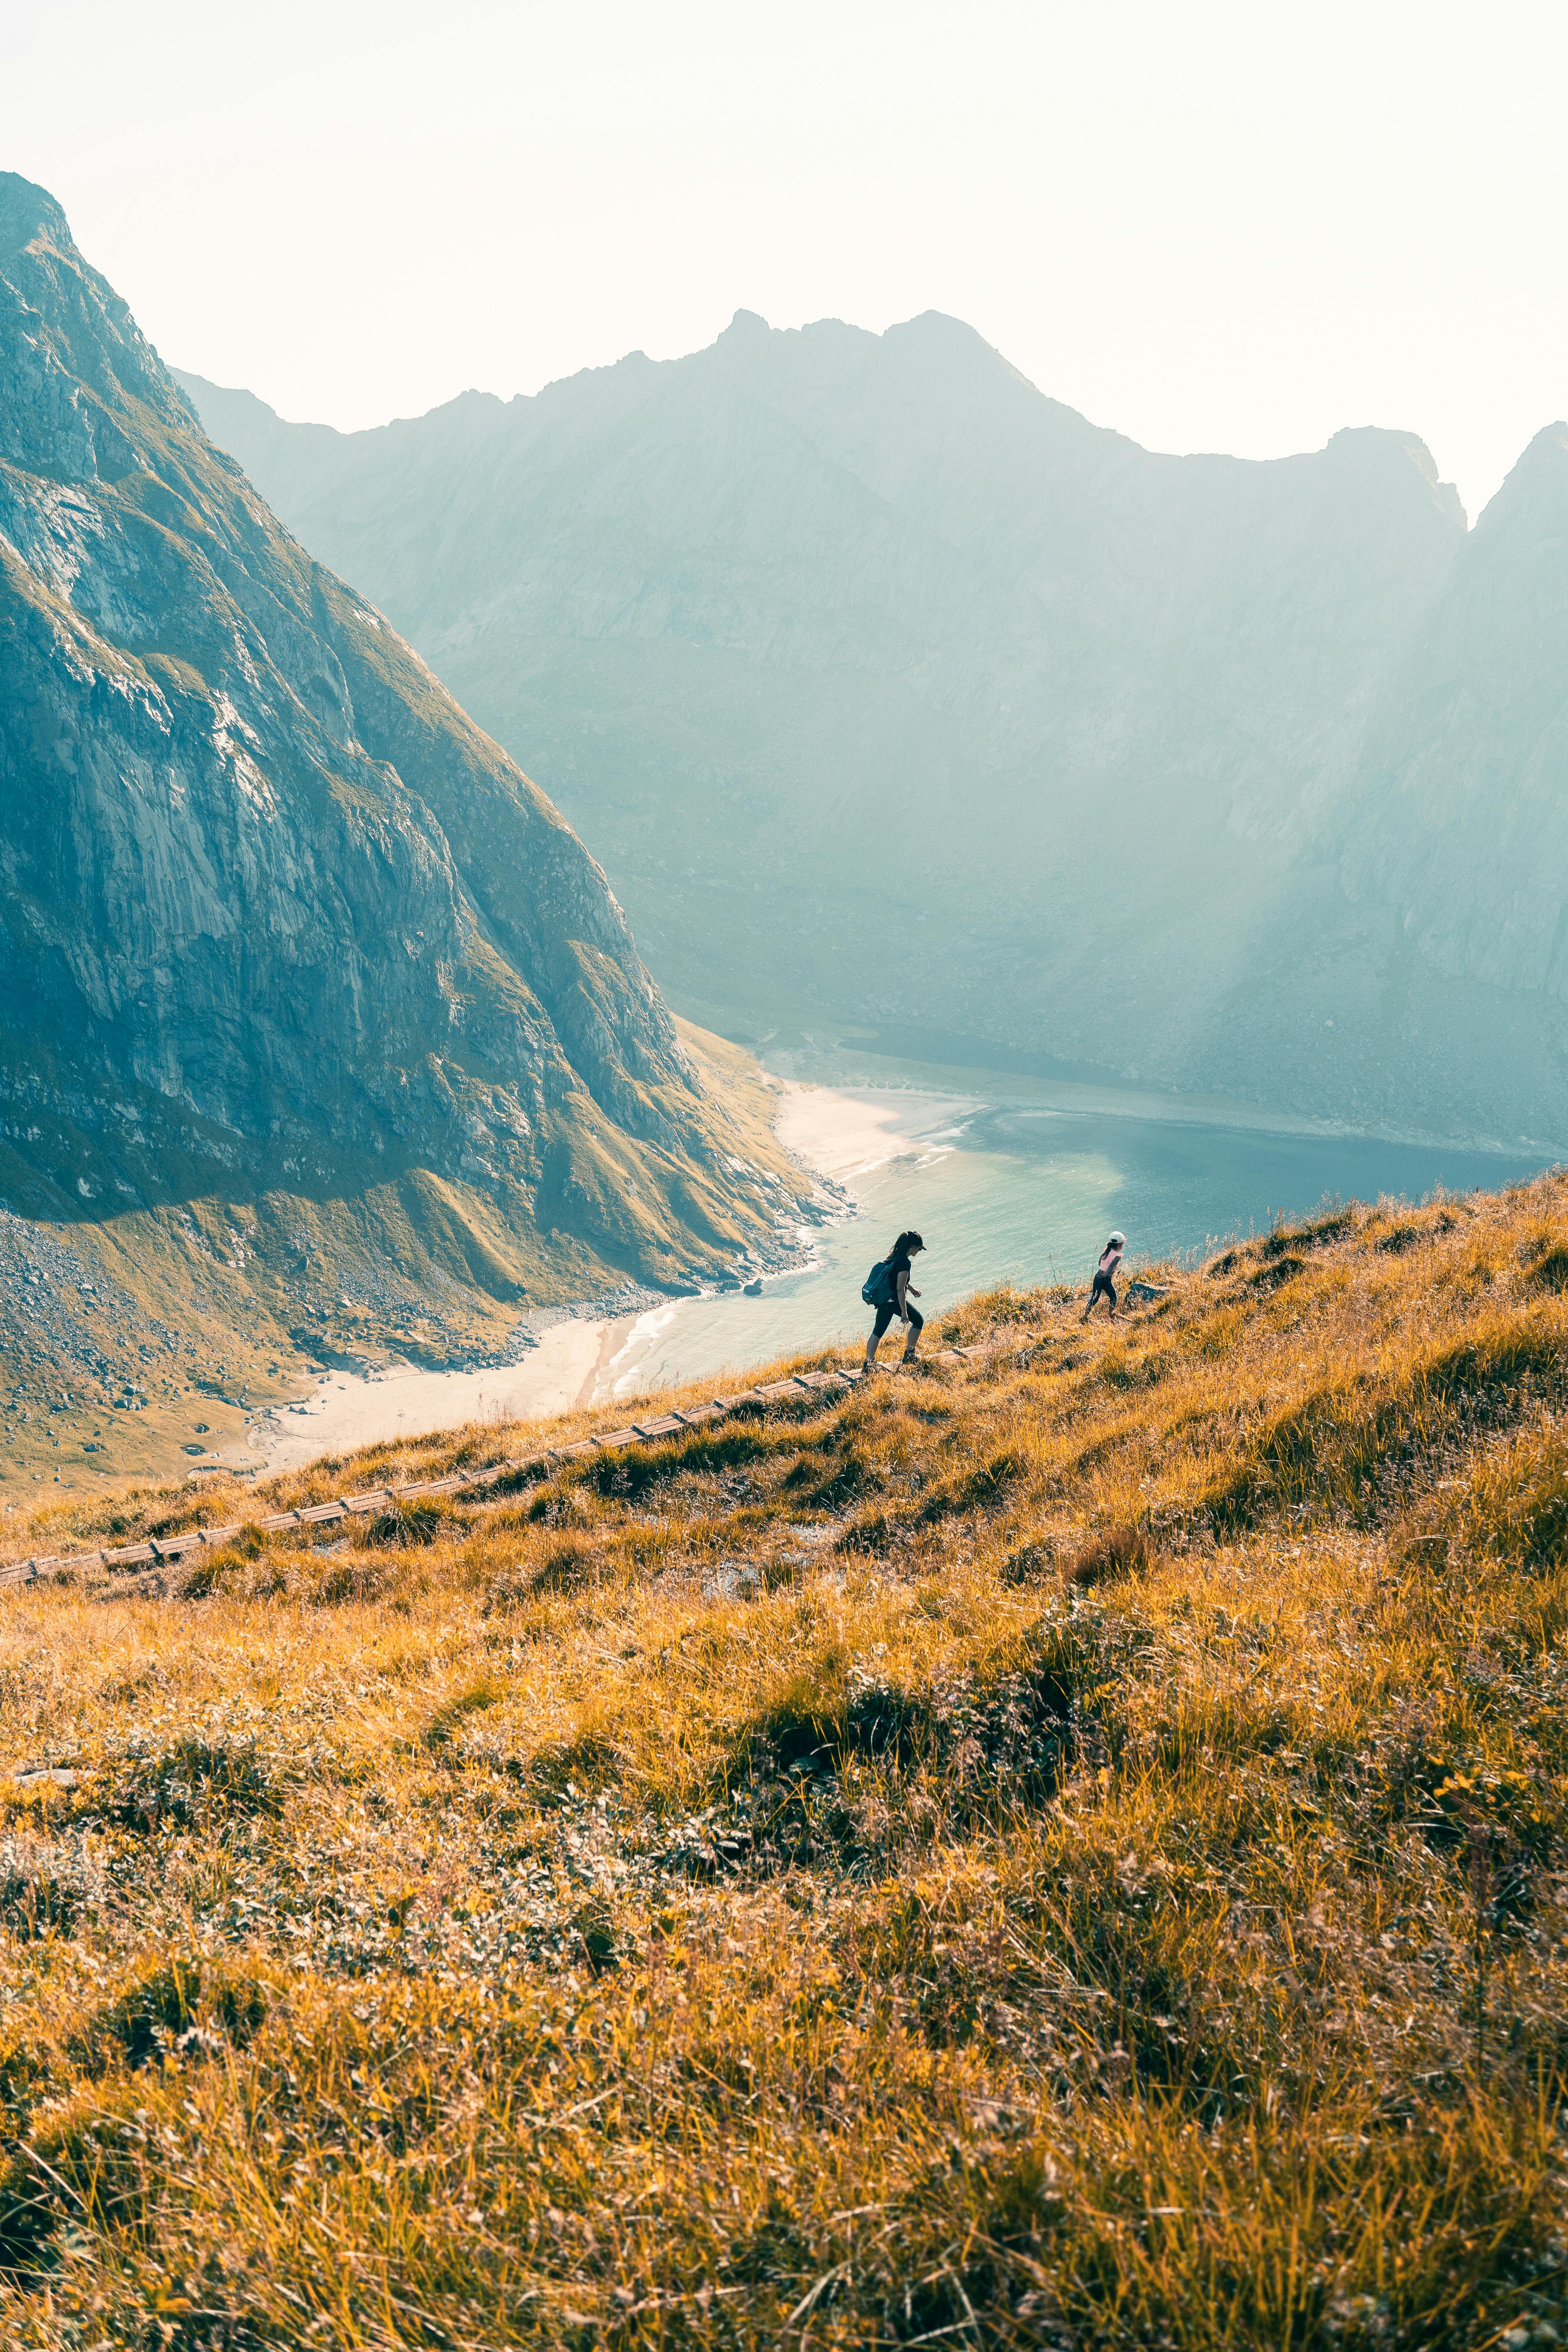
[{"x": 1111, "y": 729}]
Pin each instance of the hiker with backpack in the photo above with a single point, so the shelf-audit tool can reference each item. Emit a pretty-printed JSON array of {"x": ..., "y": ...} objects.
[
  {"x": 887, "y": 1288},
  {"x": 1105, "y": 1274}
]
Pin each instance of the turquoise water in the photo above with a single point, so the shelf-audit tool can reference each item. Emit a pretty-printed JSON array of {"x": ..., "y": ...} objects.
[{"x": 1021, "y": 1192}]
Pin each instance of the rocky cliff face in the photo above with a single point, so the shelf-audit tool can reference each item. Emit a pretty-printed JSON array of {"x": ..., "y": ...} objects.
[
  {"x": 895, "y": 693},
  {"x": 1459, "y": 815},
  {"x": 281, "y": 928}
]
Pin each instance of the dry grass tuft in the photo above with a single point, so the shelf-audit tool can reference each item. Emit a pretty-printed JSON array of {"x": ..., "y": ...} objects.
[
  {"x": 1125, "y": 1551},
  {"x": 1067, "y": 1853}
]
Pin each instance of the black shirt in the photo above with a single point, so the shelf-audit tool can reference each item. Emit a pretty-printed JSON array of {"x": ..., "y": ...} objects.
[{"x": 897, "y": 1264}]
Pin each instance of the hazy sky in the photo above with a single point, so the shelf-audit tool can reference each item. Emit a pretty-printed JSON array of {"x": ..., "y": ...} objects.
[{"x": 1214, "y": 227}]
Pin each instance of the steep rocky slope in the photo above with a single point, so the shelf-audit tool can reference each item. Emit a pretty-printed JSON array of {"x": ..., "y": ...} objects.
[
  {"x": 294, "y": 963},
  {"x": 897, "y": 693}
]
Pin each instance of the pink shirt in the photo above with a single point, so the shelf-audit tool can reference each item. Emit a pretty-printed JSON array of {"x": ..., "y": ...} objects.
[{"x": 1110, "y": 1259}]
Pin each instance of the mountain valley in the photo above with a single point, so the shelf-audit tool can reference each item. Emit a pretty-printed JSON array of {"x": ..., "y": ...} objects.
[{"x": 901, "y": 700}]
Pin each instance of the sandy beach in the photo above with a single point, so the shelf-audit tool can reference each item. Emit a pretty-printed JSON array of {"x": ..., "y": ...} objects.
[
  {"x": 843, "y": 1136},
  {"x": 344, "y": 1410},
  {"x": 847, "y": 1135}
]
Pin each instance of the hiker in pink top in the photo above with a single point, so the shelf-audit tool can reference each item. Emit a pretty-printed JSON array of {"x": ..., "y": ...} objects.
[{"x": 1104, "y": 1279}]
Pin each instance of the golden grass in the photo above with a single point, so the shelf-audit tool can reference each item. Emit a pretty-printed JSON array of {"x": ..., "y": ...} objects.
[{"x": 1074, "y": 1853}]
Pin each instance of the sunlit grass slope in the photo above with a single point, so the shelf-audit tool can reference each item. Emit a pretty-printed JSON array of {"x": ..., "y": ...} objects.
[{"x": 1069, "y": 1854}]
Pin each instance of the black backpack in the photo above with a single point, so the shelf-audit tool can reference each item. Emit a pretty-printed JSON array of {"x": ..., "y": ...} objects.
[{"x": 878, "y": 1286}]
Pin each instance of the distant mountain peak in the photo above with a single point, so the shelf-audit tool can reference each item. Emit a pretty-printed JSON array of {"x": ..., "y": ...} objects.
[
  {"x": 1533, "y": 494},
  {"x": 1543, "y": 456}
]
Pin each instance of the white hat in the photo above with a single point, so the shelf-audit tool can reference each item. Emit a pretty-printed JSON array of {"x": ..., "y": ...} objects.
[{"x": 1120, "y": 1240}]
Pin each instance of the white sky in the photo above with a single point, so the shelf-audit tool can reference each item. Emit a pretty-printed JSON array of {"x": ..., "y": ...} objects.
[{"x": 1214, "y": 227}]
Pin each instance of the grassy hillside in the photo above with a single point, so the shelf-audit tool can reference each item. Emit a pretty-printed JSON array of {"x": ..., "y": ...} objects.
[{"x": 1071, "y": 1853}]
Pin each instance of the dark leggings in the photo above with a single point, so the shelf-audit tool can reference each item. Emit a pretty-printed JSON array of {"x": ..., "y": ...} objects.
[
  {"x": 1103, "y": 1288},
  {"x": 885, "y": 1314}
]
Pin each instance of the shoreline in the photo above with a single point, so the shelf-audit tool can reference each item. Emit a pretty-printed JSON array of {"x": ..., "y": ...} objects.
[
  {"x": 853, "y": 1135},
  {"x": 857, "y": 1073},
  {"x": 561, "y": 1371},
  {"x": 837, "y": 1133}
]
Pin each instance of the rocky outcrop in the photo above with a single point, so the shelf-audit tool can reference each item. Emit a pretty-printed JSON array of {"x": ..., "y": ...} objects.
[
  {"x": 894, "y": 693},
  {"x": 280, "y": 926}
]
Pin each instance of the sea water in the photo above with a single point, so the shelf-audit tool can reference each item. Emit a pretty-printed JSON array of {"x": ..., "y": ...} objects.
[{"x": 1019, "y": 1191}]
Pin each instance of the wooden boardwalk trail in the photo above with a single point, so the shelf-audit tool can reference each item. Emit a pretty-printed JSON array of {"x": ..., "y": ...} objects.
[{"x": 471, "y": 1484}]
